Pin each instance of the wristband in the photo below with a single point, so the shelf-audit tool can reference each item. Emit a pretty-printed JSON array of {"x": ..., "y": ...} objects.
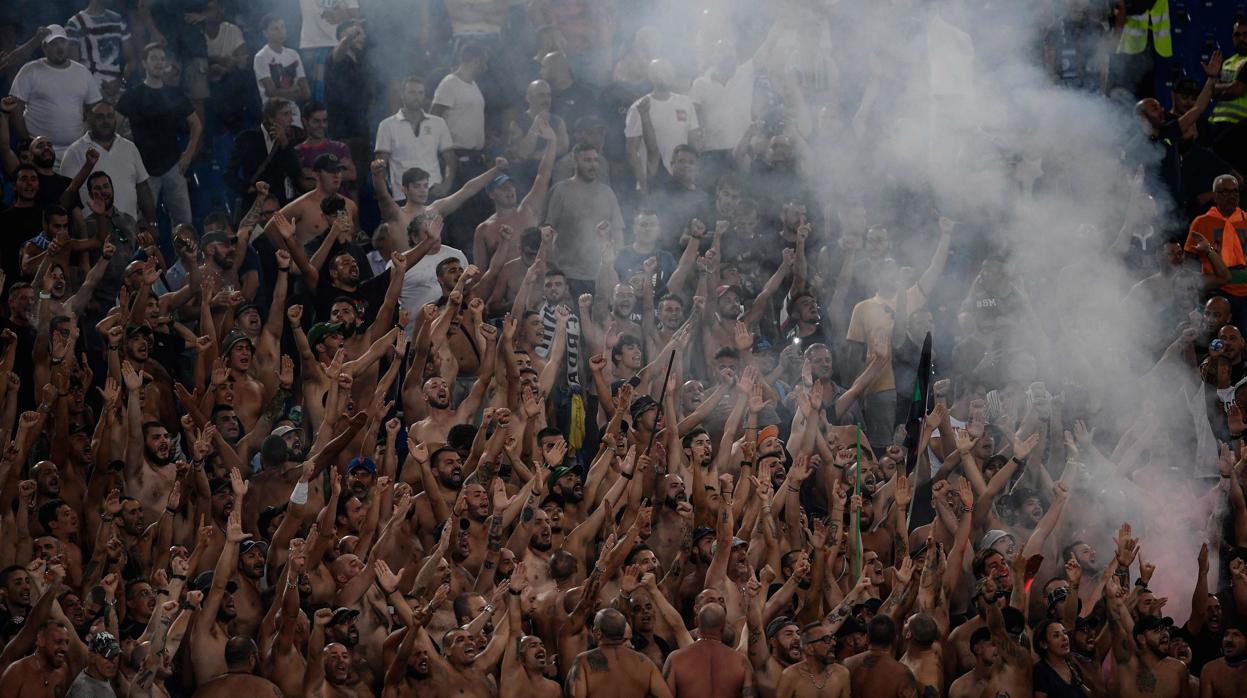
[
  {"x": 162, "y": 592},
  {"x": 283, "y": 269},
  {"x": 170, "y": 511},
  {"x": 106, "y": 517},
  {"x": 181, "y": 577},
  {"x": 299, "y": 494},
  {"x": 513, "y": 592},
  {"x": 626, "y": 476}
]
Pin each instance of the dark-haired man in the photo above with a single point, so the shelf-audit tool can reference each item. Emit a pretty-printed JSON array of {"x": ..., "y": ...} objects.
[
  {"x": 874, "y": 673},
  {"x": 817, "y": 675},
  {"x": 577, "y": 206},
  {"x": 119, "y": 158},
  {"x": 159, "y": 114}
]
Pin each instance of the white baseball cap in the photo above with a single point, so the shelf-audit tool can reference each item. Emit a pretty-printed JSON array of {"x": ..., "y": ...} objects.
[{"x": 55, "y": 31}]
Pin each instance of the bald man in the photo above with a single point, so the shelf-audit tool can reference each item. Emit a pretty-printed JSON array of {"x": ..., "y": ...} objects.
[
  {"x": 708, "y": 668},
  {"x": 612, "y": 670}
]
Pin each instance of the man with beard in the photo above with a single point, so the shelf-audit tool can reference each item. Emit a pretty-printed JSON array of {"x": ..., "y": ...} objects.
[
  {"x": 447, "y": 468},
  {"x": 249, "y": 607},
  {"x": 59, "y": 520},
  {"x": 221, "y": 256},
  {"x": 533, "y": 247},
  {"x": 250, "y": 395},
  {"x": 50, "y": 93},
  {"x": 432, "y": 430},
  {"x": 140, "y": 605},
  {"x": 1225, "y": 677},
  {"x": 343, "y": 631},
  {"x": 149, "y": 469},
  {"x": 818, "y": 675},
  {"x": 409, "y": 672},
  {"x": 135, "y": 533},
  {"x": 15, "y": 592},
  {"x": 641, "y": 608},
  {"x": 659, "y": 325},
  {"x": 720, "y": 329},
  {"x": 972, "y": 683},
  {"x": 47, "y": 672},
  {"x": 317, "y": 350},
  {"x": 52, "y": 185},
  {"x": 577, "y": 206},
  {"x": 239, "y": 657},
  {"x": 1141, "y": 650},
  {"x": 210, "y": 637},
  {"x": 24, "y": 219},
  {"x": 491, "y": 238},
  {"x": 460, "y": 669},
  {"x": 118, "y": 158},
  {"x": 772, "y": 657},
  {"x": 152, "y": 659},
  {"x": 611, "y": 668},
  {"x": 524, "y": 660},
  {"x": 672, "y": 533}
]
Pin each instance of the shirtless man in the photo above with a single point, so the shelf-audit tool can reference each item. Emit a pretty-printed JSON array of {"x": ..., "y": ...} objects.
[
  {"x": 874, "y": 673},
  {"x": 210, "y": 638},
  {"x": 415, "y": 185},
  {"x": 241, "y": 658},
  {"x": 48, "y": 672},
  {"x": 924, "y": 655},
  {"x": 149, "y": 468},
  {"x": 708, "y": 667},
  {"x": 322, "y": 363},
  {"x": 613, "y": 670},
  {"x": 818, "y": 676},
  {"x": 1141, "y": 649},
  {"x": 447, "y": 467},
  {"x": 458, "y": 670},
  {"x": 1012, "y": 672},
  {"x": 719, "y": 327},
  {"x": 250, "y": 395},
  {"x": 1225, "y": 677},
  {"x": 305, "y": 212},
  {"x": 437, "y": 393},
  {"x": 782, "y": 649},
  {"x": 524, "y": 659},
  {"x": 972, "y": 683},
  {"x": 502, "y": 192}
]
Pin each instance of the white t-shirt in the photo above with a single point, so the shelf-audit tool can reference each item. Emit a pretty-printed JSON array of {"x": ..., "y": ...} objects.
[
  {"x": 727, "y": 107},
  {"x": 317, "y": 32},
  {"x": 674, "y": 118},
  {"x": 420, "y": 285},
  {"x": 395, "y": 136},
  {"x": 54, "y": 99},
  {"x": 122, "y": 163},
  {"x": 466, "y": 111},
  {"x": 100, "y": 39},
  {"x": 284, "y": 69},
  {"x": 228, "y": 38}
]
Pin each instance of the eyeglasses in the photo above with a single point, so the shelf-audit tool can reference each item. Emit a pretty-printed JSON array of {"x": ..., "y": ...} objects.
[{"x": 821, "y": 640}]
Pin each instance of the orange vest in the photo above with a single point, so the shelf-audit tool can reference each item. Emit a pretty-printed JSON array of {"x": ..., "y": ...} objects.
[{"x": 1229, "y": 237}]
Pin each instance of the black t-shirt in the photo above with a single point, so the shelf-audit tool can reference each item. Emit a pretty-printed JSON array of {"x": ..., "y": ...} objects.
[
  {"x": 1047, "y": 681},
  {"x": 368, "y": 295},
  {"x": 17, "y": 225},
  {"x": 157, "y": 116},
  {"x": 50, "y": 189}
]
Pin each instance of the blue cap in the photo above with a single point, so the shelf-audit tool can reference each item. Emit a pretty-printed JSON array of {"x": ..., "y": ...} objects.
[
  {"x": 361, "y": 462},
  {"x": 497, "y": 181}
]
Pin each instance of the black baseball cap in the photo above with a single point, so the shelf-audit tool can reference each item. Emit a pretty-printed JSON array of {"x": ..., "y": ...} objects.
[{"x": 327, "y": 162}]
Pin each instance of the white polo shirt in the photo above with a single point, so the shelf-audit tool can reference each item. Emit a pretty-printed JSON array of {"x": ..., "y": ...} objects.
[
  {"x": 396, "y": 137},
  {"x": 122, "y": 163},
  {"x": 727, "y": 107},
  {"x": 420, "y": 285}
]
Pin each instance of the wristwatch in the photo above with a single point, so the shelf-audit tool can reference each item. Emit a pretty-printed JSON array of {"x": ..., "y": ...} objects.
[{"x": 489, "y": 608}]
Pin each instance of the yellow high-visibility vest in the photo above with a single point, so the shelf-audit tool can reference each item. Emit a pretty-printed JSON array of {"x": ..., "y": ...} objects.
[
  {"x": 1230, "y": 111},
  {"x": 1134, "y": 33}
]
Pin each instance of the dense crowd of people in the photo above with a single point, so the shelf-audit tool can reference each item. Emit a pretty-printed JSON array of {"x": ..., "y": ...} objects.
[{"x": 481, "y": 347}]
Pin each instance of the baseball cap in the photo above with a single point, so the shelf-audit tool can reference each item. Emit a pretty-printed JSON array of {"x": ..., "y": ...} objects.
[
  {"x": 244, "y": 307},
  {"x": 233, "y": 338},
  {"x": 104, "y": 644},
  {"x": 343, "y": 614},
  {"x": 56, "y": 31},
  {"x": 361, "y": 462},
  {"x": 268, "y": 514},
  {"x": 319, "y": 330},
  {"x": 283, "y": 430},
  {"x": 497, "y": 181},
  {"x": 132, "y": 330},
  {"x": 327, "y": 162},
  {"x": 992, "y": 537},
  {"x": 701, "y": 532},
  {"x": 203, "y": 582},
  {"x": 640, "y": 405},
  {"x": 557, "y": 473},
  {"x": 740, "y": 293},
  {"x": 871, "y": 605},
  {"x": 778, "y": 624},
  {"x": 768, "y": 431},
  {"x": 214, "y": 238},
  {"x": 247, "y": 545}
]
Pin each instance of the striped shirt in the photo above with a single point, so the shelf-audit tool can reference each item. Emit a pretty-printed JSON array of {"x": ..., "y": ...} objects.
[
  {"x": 100, "y": 39},
  {"x": 548, "y": 322}
]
